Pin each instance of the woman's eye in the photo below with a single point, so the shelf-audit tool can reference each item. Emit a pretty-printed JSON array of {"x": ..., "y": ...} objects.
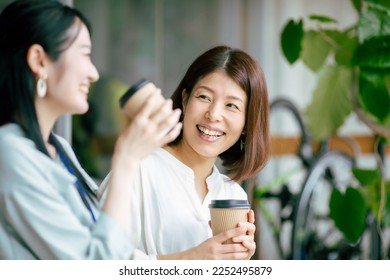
[
  {"x": 204, "y": 97},
  {"x": 232, "y": 106}
]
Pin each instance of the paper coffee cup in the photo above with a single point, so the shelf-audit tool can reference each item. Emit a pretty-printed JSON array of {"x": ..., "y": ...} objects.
[
  {"x": 227, "y": 213},
  {"x": 133, "y": 99}
]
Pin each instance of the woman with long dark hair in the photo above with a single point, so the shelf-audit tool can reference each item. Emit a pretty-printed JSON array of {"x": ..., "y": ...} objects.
[{"x": 49, "y": 206}]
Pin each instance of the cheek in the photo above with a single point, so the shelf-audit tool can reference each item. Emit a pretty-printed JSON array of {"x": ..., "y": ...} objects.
[{"x": 238, "y": 125}]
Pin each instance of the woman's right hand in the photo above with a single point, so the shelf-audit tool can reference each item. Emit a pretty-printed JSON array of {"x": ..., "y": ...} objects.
[{"x": 148, "y": 130}]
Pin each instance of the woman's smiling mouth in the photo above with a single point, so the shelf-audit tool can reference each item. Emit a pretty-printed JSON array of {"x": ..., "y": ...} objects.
[{"x": 211, "y": 134}]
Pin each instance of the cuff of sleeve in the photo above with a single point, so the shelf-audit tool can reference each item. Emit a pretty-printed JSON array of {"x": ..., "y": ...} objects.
[{"x": 115, "y": 240}]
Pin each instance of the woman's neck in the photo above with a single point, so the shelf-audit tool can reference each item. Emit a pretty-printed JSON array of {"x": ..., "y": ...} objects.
[{"x": 201, "y": 166}]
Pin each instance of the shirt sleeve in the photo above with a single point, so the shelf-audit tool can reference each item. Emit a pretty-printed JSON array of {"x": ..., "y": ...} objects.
[
  {"x": 42, "y": 208},
  {"x": 139, "y": 239}
]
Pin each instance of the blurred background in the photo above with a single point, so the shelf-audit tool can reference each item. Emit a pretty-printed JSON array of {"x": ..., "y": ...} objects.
[{"x": 158, "y": 39}]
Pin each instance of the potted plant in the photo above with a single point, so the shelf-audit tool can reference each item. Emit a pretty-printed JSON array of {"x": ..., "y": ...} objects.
[{"x": 352, "y": 66}]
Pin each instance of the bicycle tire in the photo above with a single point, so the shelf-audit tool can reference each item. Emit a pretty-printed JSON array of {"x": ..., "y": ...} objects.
[{"x": 303, "y": 225}]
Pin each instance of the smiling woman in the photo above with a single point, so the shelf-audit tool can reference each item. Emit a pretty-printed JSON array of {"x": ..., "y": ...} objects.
[
  {"x": 224, "y": 103},
  {"x": 49, "y": 206}
]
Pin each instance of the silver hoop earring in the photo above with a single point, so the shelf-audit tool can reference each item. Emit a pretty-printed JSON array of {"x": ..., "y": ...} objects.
[{"x": 41, "y": 87}]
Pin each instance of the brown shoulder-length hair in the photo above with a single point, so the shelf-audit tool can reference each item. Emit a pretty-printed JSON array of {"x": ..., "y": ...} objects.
[{"x": 246, "y": 72}]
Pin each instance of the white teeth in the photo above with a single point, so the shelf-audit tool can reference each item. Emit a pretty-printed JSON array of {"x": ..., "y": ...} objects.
[
  {"x": 210, "y": 132},
  {"x": 84, "y": 89}
]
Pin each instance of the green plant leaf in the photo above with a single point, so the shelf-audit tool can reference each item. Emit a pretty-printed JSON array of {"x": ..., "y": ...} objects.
[
  {"x": 374, "y": 95},
  {"x": 315, "y": 50},
  {"x": 330, "y": 103},
  {"x": 367, "y": 176},
  {"x": 357, "y": 4},
  {"x": 373, "y": 53},
  {"x": 348, "y": 211},
  {"x": 344, "y": 45},
  {"x": 383, "y": 3},
  {"x": 323, "y": 19},
  {"x": 291, "y": 40},
  {"x": 374, "y": 21}
]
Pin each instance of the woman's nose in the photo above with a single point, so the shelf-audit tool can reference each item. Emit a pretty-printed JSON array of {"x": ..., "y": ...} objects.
[
  {"x": 214, "y": 113},
  {"x": 94, "y": 73}
]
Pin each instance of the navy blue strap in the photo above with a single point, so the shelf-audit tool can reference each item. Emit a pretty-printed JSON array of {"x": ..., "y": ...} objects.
[{"x": 79, "y": 187}]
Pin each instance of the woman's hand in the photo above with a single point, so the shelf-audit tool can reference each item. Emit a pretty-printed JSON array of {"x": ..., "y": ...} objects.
[
  {"x": 148, "y": 130},
  {"x": 248, "y": 240},
  {"x": 215, "y": 248}
]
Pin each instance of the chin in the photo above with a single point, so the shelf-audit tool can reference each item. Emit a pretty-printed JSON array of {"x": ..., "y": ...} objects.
[{"x": 81, "y": 110}]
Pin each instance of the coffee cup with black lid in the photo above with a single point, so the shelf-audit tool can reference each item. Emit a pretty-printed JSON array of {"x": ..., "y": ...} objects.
[
  {"x": 135, "y": 97},
  {"x": 227, "y": 213}
]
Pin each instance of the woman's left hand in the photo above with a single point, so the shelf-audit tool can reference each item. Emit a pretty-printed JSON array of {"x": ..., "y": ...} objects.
[{"x": 248, "y": 240}]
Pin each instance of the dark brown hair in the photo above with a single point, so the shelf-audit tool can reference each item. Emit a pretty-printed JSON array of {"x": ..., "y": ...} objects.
[{"x": 246, "y": 72}]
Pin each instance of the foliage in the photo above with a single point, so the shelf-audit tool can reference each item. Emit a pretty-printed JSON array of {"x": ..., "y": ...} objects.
[
  {"x": 359, "y": 54},
  {"x": 352, "y": 67}
]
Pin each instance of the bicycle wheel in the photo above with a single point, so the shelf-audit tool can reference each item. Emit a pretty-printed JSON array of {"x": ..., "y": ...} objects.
[{"x": 314, "y": 234}]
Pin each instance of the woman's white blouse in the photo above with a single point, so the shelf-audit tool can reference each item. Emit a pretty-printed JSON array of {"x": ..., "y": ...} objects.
[{"x": 167, "y": 215}]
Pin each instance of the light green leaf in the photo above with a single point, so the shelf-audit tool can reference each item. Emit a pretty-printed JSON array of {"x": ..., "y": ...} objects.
[
  {"x": 344, "y": 45},
  {"x": 331, "y": 102},
  {"x": 315, "y": 50}
]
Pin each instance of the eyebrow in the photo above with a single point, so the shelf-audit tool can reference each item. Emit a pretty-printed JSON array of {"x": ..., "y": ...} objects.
[
  {"x": 235, "y": 98},
  {"x": 229, "y": 96}
]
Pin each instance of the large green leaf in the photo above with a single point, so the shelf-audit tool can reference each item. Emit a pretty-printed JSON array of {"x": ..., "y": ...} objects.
[
  {"x": 348, "y": 211},
  {"x": 374, "y": 95},
  {"x": 330, "y": 103},
  {"x": 374, "y": 21},
  {"x": 315, "y": 50},
  {"x": 291, "y": 40},
  {"x": 373, "y": 53}
]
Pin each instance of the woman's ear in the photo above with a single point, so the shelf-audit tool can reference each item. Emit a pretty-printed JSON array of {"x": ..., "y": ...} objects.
[
  {"x": 184, "y": 98},
  {"x": 36, "y": 60}
]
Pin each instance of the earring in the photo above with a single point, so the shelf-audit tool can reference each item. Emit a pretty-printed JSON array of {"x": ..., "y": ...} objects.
[
  {"x": 242, "y": 144},
  {"x": 41, "y": 86}
]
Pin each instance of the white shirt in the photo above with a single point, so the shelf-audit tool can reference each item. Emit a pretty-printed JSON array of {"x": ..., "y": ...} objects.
[{"x": 167, "y": 215}]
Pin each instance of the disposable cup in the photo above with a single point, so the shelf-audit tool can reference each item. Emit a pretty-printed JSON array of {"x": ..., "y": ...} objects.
[
  {"x": 133, "y": 99},
  {"x": 227, "y": 213}
]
